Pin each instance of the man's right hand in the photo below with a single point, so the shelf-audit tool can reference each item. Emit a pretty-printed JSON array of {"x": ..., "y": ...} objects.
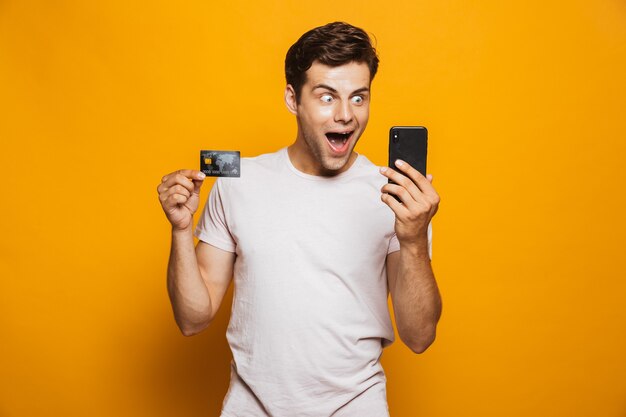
[{"x": 179, "y": 194}]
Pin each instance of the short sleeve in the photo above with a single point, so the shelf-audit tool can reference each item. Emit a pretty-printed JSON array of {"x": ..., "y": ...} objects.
[
  {"x": 212, "y": 227},
  {"x": 394, "y": 245}
]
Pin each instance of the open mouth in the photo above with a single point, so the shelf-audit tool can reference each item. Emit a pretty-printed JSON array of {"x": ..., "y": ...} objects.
[{"x": 338, "y": 141}]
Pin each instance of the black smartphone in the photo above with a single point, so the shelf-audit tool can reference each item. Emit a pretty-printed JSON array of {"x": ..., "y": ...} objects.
[{"x": 409, "y": 143}]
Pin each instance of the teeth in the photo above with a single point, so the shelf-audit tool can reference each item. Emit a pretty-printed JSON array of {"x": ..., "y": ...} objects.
[
  {"x": 338, "y": 139},
  {"x": 338, "y": 134}
]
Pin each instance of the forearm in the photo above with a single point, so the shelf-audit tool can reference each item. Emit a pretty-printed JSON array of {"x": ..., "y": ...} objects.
[
  {"x": 416, "y": 299},
  {"x": 188, "y": 293}
]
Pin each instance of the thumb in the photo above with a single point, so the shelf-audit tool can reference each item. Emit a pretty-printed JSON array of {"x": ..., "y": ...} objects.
[{"x": 196, "y": 186}]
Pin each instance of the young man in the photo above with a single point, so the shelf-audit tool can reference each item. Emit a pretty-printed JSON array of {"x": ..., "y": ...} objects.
[{"x": 315, "y": 242}]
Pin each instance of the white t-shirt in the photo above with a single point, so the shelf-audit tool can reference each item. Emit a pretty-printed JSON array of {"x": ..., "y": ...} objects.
[{"x": 309, "y": 318}]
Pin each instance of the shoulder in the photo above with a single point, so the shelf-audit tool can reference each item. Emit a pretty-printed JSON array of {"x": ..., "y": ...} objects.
[
  {"x": 262, "y": 162},
  {"x": 363, "y": 163}
]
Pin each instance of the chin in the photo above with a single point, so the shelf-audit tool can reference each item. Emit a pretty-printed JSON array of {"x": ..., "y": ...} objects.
[{"x": 335, "y": 164}]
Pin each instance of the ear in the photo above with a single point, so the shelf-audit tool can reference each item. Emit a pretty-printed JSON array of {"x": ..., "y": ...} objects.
[{"x": 290, "y": 99}]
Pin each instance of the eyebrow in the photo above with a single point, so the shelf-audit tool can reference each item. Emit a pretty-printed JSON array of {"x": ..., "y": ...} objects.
[{"x": 329, "y": 88}]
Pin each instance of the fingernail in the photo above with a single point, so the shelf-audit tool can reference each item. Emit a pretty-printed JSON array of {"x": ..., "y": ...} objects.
[
  {"x": 201, "y": 176},
  {"x": 399, "y": 162},
  {"x": 383, "y": 169}
]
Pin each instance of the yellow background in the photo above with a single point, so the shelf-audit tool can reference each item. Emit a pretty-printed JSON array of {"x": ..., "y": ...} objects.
[{"x": 525, "y": 105}]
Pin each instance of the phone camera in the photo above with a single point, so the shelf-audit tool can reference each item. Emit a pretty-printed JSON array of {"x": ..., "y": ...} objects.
[{"x": 395, "y": 137}]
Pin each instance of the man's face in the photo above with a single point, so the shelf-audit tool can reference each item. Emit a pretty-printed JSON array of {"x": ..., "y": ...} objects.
[{"x": 332, "y": 113}]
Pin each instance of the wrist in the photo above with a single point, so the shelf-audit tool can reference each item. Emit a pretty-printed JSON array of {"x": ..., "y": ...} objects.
[
  {"x": 417, "y": 247},
  {"x": 185, "y": 231}
]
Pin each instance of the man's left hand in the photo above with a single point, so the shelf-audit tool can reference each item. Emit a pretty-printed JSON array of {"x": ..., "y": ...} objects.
[{"x": 419, "y": 202}]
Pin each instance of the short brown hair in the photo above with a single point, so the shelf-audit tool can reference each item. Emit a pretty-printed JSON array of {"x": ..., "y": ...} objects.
[{"x": 333, "y": 44}]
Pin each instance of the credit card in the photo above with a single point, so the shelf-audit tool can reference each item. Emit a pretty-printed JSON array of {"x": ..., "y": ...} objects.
[{"x": 220, "y": 163}]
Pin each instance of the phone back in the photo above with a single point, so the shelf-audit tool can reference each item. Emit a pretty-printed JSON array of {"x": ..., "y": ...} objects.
[{"x": 409, "y": 143}]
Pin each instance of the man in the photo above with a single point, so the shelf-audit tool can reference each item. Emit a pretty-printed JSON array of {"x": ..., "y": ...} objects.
[{"x": 313, "y": 249}]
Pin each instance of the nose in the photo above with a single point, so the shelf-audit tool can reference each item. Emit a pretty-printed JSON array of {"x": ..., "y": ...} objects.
[{"x": 344, "y": 112}]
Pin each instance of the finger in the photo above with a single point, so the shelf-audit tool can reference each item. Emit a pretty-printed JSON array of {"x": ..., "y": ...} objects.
[
  {"x": 174, "y": 200},
  {"x": 403, "y": 181},
  {"x": 402, "y": 193},
  {"x": 430, "y": 177},
  {"x": 196, "y": 186},
  {"x": 422, "y": 182},
  {"x": 172, "y": 179},
  {"x": 180, "y": 179},
  {"x": 179, "y": 189},
  {"x": 175, "y": 190},
  {"x": 163, "y": 187},
  {"x": 398, "y": 208},
  {"x": 416, "y": 176},
  {"x": 188, "y": 173}
]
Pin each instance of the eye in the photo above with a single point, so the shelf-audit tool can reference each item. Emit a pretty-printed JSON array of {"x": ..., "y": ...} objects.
[
  {"x": 357, "y": 99},
  {"x": 326, "y": 98}
]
